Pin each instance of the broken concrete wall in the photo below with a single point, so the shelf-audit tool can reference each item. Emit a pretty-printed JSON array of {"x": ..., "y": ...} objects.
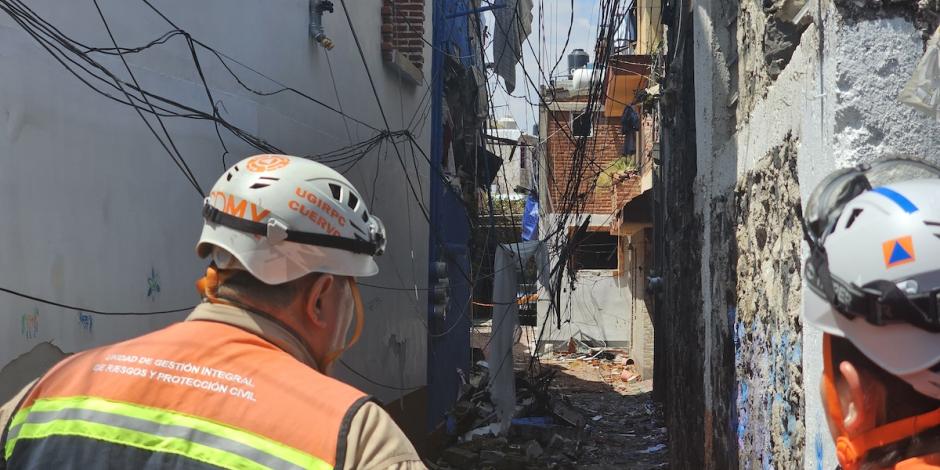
[
  {"x": 20, "y": 371},
  {"x": 768, "y": 342},
  {"x": 807, "y": 101}
]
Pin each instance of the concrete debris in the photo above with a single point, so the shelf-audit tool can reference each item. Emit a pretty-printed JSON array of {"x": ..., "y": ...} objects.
[
  {"x": 781, "y": 38},
  {"x": 571, "y": 414},
  {"x": 533, "y": 450}
]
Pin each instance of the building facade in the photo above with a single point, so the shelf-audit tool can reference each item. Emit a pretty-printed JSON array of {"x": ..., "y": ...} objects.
[{"x": 105, "y": 197}]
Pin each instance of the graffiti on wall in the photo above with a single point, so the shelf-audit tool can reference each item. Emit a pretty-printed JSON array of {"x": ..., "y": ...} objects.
[
  {"x": 820, "y": 449},
  {"x": 153, "y": 284},
  {"x": 29, "y": 324},
  {"x": 86, "y": 321},
  {"x": 768, "y": 331}
]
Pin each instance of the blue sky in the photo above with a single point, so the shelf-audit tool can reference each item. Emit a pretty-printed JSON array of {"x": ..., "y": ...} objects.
[{"x": 557, "y": 16}]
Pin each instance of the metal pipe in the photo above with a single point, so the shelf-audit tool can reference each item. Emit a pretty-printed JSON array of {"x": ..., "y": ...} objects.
[{"x": 317, "y": 7}]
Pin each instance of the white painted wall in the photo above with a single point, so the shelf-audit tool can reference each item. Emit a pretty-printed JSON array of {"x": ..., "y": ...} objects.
[
  {"x": 93, "y": 205},
  {"x": 599, "y": 306},
  {"x": 842, "y": 107}
]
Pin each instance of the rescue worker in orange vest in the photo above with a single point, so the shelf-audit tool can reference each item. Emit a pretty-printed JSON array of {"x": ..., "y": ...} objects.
[
  {"x": 874, "y": 273},
  {"x": 244, "y": 382}
]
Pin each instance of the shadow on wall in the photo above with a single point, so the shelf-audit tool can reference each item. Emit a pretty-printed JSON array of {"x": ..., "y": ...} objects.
[{"x": 22, "y": 370}]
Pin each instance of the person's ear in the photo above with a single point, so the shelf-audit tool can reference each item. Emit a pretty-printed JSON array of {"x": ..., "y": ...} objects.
[
  {"x": 865, "y": 399},
  {"x": 313, "y": 308}
]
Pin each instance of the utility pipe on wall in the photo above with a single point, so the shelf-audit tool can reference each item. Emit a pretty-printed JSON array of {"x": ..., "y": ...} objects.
[{"x": 317, "y": 7}]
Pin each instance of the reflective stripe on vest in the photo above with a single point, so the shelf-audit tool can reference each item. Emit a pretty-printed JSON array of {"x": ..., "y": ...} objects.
[
  {"x": 154, "y": 430},
  {"x": 201, "y": 391}
]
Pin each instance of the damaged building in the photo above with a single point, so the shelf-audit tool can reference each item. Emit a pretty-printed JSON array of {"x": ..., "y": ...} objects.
[
  {"x": 596, "y": 159},
  {"x": 760, "y": 101},
  {"x": 100, "y": 247}
]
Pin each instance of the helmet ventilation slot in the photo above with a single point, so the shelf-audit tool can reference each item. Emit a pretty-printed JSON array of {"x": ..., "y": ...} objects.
[
  {"x": 855, "y": 214},
  {"x": 336, "y": 190},
  {"x": 353, "y": 201},
  {"x": 259, "y": 185}
]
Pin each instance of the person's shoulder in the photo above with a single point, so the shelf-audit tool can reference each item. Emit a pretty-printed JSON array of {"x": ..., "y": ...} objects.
[{"x": 376, "y": 442}]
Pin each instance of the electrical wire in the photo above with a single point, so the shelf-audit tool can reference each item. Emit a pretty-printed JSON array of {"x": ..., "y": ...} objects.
[{"x": 90, "y": 310}]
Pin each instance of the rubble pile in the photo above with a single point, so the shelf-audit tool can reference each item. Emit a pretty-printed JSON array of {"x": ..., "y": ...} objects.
[{"x": 560, "y": 420}]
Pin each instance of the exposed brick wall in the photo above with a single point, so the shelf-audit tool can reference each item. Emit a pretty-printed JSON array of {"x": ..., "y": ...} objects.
[
  {"x": 403, "y": 30},
  {"x": 603, "y": 147},
  {"x": 625, "y": 188}
]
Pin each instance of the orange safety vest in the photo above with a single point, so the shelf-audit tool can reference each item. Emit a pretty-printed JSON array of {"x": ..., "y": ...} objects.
[{"x": 196, "y": 394}]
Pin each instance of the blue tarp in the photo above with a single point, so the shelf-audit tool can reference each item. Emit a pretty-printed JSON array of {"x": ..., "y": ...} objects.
[{"x": 530, "y": 219}]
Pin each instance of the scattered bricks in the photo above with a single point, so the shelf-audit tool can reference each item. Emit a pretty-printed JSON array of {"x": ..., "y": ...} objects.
[
  {"x": 460, "y": 458},
  {"x": 629, "y": 376}
]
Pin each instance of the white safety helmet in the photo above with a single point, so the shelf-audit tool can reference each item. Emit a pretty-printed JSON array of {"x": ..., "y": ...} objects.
[
  {"x": 874, "y": 266},
  {"x": 282, "y": 217}
]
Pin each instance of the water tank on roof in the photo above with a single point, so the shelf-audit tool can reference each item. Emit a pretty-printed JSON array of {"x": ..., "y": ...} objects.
[
  {"x": 582, "y": 77},
  {"x": 506, "y": 123},
  {"x": 577, "y": 59}
]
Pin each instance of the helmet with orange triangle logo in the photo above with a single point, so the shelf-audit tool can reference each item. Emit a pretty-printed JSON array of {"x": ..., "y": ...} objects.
[
  {"x": 874, "y": 276},
  {"x": 874, "y": 236}
]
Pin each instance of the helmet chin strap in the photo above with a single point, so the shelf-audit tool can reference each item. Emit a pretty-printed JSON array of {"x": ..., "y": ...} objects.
[
  {"x": 360, "y": 321},
  {"x": 851, "y": 450}
]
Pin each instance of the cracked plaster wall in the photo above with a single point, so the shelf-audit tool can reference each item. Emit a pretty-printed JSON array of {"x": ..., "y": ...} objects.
[
  {"x": 829, "y": 102},
  {"x": 767, "y": 327}
]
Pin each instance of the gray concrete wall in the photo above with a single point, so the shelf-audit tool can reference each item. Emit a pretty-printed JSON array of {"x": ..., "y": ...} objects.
[
  {"x": 827, "y": 101},
  {"x": 98, "y": 216},
  {"x": 635, "y": 272}
]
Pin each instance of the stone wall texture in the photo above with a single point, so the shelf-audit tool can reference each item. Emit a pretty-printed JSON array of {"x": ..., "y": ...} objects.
[
  {"x": 768, "y": 341},
  {"x": 779, "y": 100}
]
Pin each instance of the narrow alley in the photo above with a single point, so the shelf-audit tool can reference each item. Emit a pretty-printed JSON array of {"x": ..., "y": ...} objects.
[{"x": 470, "y": 234}]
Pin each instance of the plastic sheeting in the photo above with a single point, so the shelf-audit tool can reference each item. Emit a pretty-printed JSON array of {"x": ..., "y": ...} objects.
[
  {"x": 506, "y": 266},
  {"x": 530, "y": 218},
  {"x": 923, "y": 89}
]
